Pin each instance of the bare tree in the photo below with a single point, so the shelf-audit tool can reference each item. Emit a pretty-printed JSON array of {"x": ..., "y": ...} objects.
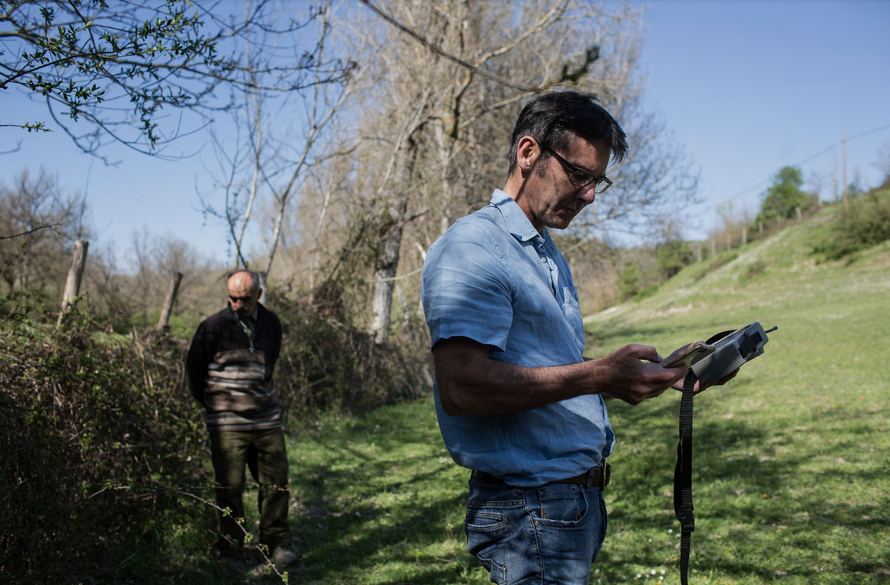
[
  {"x": 451, "y": 79},
  {"x": 280, "y": 141},
  {"x": 38, "y": 223},
  {"x": 427, "y": 127},
  {"x": 144, "y": 284}
]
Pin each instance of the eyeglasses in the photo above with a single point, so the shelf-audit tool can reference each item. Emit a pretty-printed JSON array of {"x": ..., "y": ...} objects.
[{"x": 580, "y": 177}]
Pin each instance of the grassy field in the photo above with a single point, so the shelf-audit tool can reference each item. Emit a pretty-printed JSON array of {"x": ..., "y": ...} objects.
[{"x": 791, "y": 459}]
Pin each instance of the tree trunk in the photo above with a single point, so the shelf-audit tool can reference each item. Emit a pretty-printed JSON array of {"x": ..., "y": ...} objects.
[
  {"x": 444, "y": 150},
  {"x": 164, "y": 321},
  {"x": 75, "y": 275},
  {"x": 390, "y": 244},
  {"x": 387, "y": 265},
  {"x": 262, "y": 276}
]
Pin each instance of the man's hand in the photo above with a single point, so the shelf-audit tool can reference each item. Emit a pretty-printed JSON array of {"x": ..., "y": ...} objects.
[
  {"x": 698, "y": 386},
  {"x": 627, "y": 377}
]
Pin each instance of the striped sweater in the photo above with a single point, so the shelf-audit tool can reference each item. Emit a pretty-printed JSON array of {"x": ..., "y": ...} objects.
[{"x": 232, "y": 376}]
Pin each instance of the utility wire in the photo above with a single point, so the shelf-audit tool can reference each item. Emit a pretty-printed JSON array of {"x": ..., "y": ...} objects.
[{"x": 809, "y": 158}]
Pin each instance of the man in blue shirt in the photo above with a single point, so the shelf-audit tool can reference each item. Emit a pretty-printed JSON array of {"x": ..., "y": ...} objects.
[{"x": 516, "y": 401}]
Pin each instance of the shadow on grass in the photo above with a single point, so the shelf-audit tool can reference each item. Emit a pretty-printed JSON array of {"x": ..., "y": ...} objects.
[
  {"x": 766, "y": 506},
  {"x": 396, "y": 512}
]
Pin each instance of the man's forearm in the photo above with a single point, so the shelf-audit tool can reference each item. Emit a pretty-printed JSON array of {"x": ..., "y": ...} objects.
[
  {"x": 498, "y": 388},
  {"x": 470, "y": 382}
]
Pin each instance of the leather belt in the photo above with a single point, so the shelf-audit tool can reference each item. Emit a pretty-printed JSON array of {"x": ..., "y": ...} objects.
[{"x": 598, "y": 476}]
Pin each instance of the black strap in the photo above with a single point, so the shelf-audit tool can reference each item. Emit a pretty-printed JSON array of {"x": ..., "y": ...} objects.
[{"x": 683, "y": 477}]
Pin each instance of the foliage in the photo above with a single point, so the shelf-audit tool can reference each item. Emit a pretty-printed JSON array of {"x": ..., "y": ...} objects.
[
  {"x": 114, "y": 66},
  {"x": 103, "y": 451},
  {"x": 865, "y": 224},
  {"x": 629, "y": 282},
  {"x": 94, "y": 427},
  {"x": 784, "y": 196},
  {"x": 672, "y": 256},
  {"x": 327, "y": 363},
  {"x": 640, "y": 274}
]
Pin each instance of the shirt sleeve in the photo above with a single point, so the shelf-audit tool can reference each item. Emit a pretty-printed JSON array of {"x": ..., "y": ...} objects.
[
  {"x": 466, "y": 289},
  {"x": 199, "y": 355}
]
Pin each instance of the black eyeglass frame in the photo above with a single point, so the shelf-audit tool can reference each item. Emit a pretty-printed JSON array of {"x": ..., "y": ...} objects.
[{"x": 602, "y": 183}]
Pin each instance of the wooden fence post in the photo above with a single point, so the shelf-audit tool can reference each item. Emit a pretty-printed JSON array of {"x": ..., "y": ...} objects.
[
  {"x": 798, "y": 213},
  {"x": 713, "y": 247},
  {"x": 744, "y": 235},
  {"x": 75, "y": 275},
  {"x": 164, "y": 321}
]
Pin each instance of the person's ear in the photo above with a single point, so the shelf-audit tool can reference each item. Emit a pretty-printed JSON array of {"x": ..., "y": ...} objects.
[{"x": 527, "y": 153}]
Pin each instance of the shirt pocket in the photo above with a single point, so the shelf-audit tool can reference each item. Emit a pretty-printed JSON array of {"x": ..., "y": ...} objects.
[{"x": 571, "y": 311}]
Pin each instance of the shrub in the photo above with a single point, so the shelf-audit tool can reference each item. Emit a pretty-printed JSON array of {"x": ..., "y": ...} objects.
[
  {"x": 866, "y": 224},
  {"x": 755, "y": 268},
  {"x": 99, "y": 437},
  {"x": 673, "y": 256},
  {"x": 327, "y": 363},
  {"x": 94, "y": 426},
  {"x": 629, "y": 282}
]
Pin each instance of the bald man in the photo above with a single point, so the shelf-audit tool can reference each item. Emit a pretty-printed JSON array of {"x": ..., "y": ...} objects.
[{"x": 230, "y": 365}]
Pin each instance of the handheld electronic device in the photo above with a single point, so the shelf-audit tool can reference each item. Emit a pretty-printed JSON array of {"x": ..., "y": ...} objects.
[{"x": 732, "y": 349}]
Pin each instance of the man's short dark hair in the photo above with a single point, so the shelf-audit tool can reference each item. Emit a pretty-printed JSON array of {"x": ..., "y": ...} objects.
[
  {"x": 254, "y": 278},
  {"x": 554, "y": 119}
]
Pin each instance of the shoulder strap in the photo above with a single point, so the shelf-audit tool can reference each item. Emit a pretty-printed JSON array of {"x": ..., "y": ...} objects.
[{"x": 683, "y": 477}]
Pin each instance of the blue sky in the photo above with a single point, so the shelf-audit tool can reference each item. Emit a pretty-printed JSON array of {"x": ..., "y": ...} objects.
[
  {"x": 749, "y": 87},
  {"x": 744, "y": 87}
]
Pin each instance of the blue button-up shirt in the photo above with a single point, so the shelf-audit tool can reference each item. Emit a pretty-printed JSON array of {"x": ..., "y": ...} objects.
[{"x": 494, "y": 279}]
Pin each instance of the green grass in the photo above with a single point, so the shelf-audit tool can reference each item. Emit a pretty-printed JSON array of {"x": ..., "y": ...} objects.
[
  {"x": 379, "y": 501},
  {"x": 791, "y": 458},
  {"x": 375, "y": 499}
]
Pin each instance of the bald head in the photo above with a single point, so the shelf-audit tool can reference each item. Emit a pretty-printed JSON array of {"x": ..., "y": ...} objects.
[{"x": 244, "y": 292}]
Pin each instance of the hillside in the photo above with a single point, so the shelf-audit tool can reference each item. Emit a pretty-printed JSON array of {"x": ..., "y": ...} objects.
[{"x": 791, "y": 457}]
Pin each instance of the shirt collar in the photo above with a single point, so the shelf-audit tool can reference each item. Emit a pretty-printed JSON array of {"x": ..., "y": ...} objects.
[
  {"x": 515, "y": 219},
  {"x": 250, "y": 318}
]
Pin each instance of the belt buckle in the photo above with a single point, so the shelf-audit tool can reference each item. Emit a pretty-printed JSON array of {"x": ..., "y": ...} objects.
[{"x": 605, "y": 475}]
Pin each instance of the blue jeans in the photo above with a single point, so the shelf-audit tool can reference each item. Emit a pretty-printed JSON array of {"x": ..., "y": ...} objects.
[{"x": 545, "y": 534}]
